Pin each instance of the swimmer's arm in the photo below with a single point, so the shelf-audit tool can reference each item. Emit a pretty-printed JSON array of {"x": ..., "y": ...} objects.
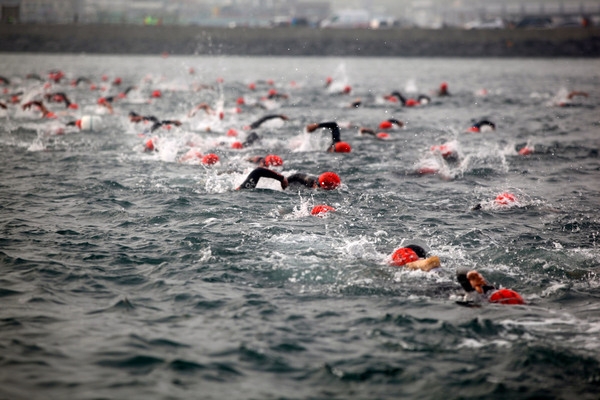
[
  {"x": 426, "y": 264},
  {"x": 261, "y": 172}
]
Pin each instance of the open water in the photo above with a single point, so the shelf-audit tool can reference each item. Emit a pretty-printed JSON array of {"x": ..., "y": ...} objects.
[{"x": 127, "y": 274}]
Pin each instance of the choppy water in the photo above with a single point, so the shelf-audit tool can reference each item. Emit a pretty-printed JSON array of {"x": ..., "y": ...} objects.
[{"x": 127, "y": 274}]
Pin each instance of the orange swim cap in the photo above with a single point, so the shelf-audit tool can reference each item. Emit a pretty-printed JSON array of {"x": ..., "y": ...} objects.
[
  {"x": 342, "y": 147},
  {"x": 272, "y": 160},
  {"x": 505, "y": 199},
  {"x": 506, "y": 296},
  {"x": 321, "y": 209},
  {"x": 210, "y": 159},
  {"x": 403, "y": 255},
  {"x": 329, "y": 180}
]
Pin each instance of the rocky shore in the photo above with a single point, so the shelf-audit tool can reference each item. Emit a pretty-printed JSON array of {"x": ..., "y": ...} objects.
[{"x": 300, "y": 41}]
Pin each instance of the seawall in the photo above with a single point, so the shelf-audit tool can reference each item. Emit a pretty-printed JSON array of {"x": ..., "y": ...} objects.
[{"x": 300, "y": 41}]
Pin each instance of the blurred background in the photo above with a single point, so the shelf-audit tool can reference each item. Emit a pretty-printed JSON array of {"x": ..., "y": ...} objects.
[{"x": 373, "y": 14}]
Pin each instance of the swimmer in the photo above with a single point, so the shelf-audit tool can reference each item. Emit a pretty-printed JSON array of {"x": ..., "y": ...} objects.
[
  {"x": 164, "y": 122},
  {"x": 135, "y": 118},
  {"x": 60, "y": 97},
  {"x": 125, "y": 92},
  {"x": 3, "y": 106},
  {"x": 337, "y": 146},
  {"x": 443, "y": 90},
  {"x": 414, "y": 257},
  {"x": 4, "y": 81},
  {"x": 479, "y": 290},
  {"x": 397, "y": 96},
  {"x": 41, "y": 107},
  {"x": 482, "y": 126},
  {"x": 76, "y": 82},
  {"x": 267, "y": 161},
  {"x": 376, "y": 135},
  {"x": 250, "y": 140},
  {"x": 274, "y": 94},
  {"x": 202, "y": 106},
  {"x": 106, "y": 102},
  {"x": 327, "y": 180},
  {"x": 259, "y": 122},
  {"x": 356, "y": 103}
]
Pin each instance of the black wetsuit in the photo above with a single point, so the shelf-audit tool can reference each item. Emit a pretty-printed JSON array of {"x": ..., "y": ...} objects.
[
  {"x": 258, "y": 123},
  {"x": 484, "y": 122},
  {"x": 335, "y": 133},
  {"x": 309, "y": 181},
  {"x": 260, "y": 172}
]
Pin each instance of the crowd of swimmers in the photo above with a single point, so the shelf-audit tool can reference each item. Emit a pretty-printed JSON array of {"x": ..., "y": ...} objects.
[{"x": 411, "y": 257}]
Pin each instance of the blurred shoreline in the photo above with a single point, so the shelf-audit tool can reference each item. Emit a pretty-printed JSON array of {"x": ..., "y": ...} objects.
[{"x": 300, "y": 41}]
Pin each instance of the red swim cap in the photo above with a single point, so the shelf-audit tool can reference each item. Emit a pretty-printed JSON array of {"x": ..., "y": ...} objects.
[
  {"x": 411, "y": 103},
  {"x": 385, "y": 125},
  {"x": 232, "y": 132},
  {"x": 444, "y": 150},
  {"x": 329, "y": 180},
  {"x": 237, "y": 145},
  {"x": 347, "y": 89},
  {"x": 78, "y": 123},
  {"x": 403, "y": 255},
  {"x": 210, "y": 159},
  {"x": 149, "y": 146},
  {"x": 383, "y": 135},
  {"x": 506, "y": 296},
  {"x": 272, "y": 160},
  {"x": 73, "y": 106},
  {"x": 473, "y": 129},
  {"x": 240, "y": 100},
  {"x": 525, "y": 151},
  {"x": 505, "y": 199},
  {"x": 321, "y": 209},
  {"x": 156, "y": 94},
  {"x": 251, "y": 86},
  {"x": 272, "y": 92},
  {"x": 342, "y": 147}
]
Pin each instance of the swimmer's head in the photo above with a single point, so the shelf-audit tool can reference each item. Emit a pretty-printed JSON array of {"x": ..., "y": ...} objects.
[
  {"x": 505, "y": 199},
  {"x": 506, "y": 296},
  {"x": 320, "y": 209},
  {"x": 403, "y": 255},
  {"x": 329, "y": 180},
  {"x": 342, "y": 147},
  {"x": 210, "y": 159},
  {"x": 418, "y": 250},
  {"x": 237, "y": 145},
  {"x": 385, "y": 125},
  {"x": 272, "y": 160}
]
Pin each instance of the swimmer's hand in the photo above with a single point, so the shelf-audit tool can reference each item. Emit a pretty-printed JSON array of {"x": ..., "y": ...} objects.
[
  {"x": 284, "y": 183},
  {"x": 312, "y": 127}
]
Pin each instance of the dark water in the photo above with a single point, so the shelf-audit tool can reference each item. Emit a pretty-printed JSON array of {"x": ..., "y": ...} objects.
[{"x": 127, "y": 274}]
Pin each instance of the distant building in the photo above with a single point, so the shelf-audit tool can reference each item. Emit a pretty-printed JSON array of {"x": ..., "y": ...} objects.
[
  {"x": 10, "y": 11},
  {"x": 49, "y": 11}
]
